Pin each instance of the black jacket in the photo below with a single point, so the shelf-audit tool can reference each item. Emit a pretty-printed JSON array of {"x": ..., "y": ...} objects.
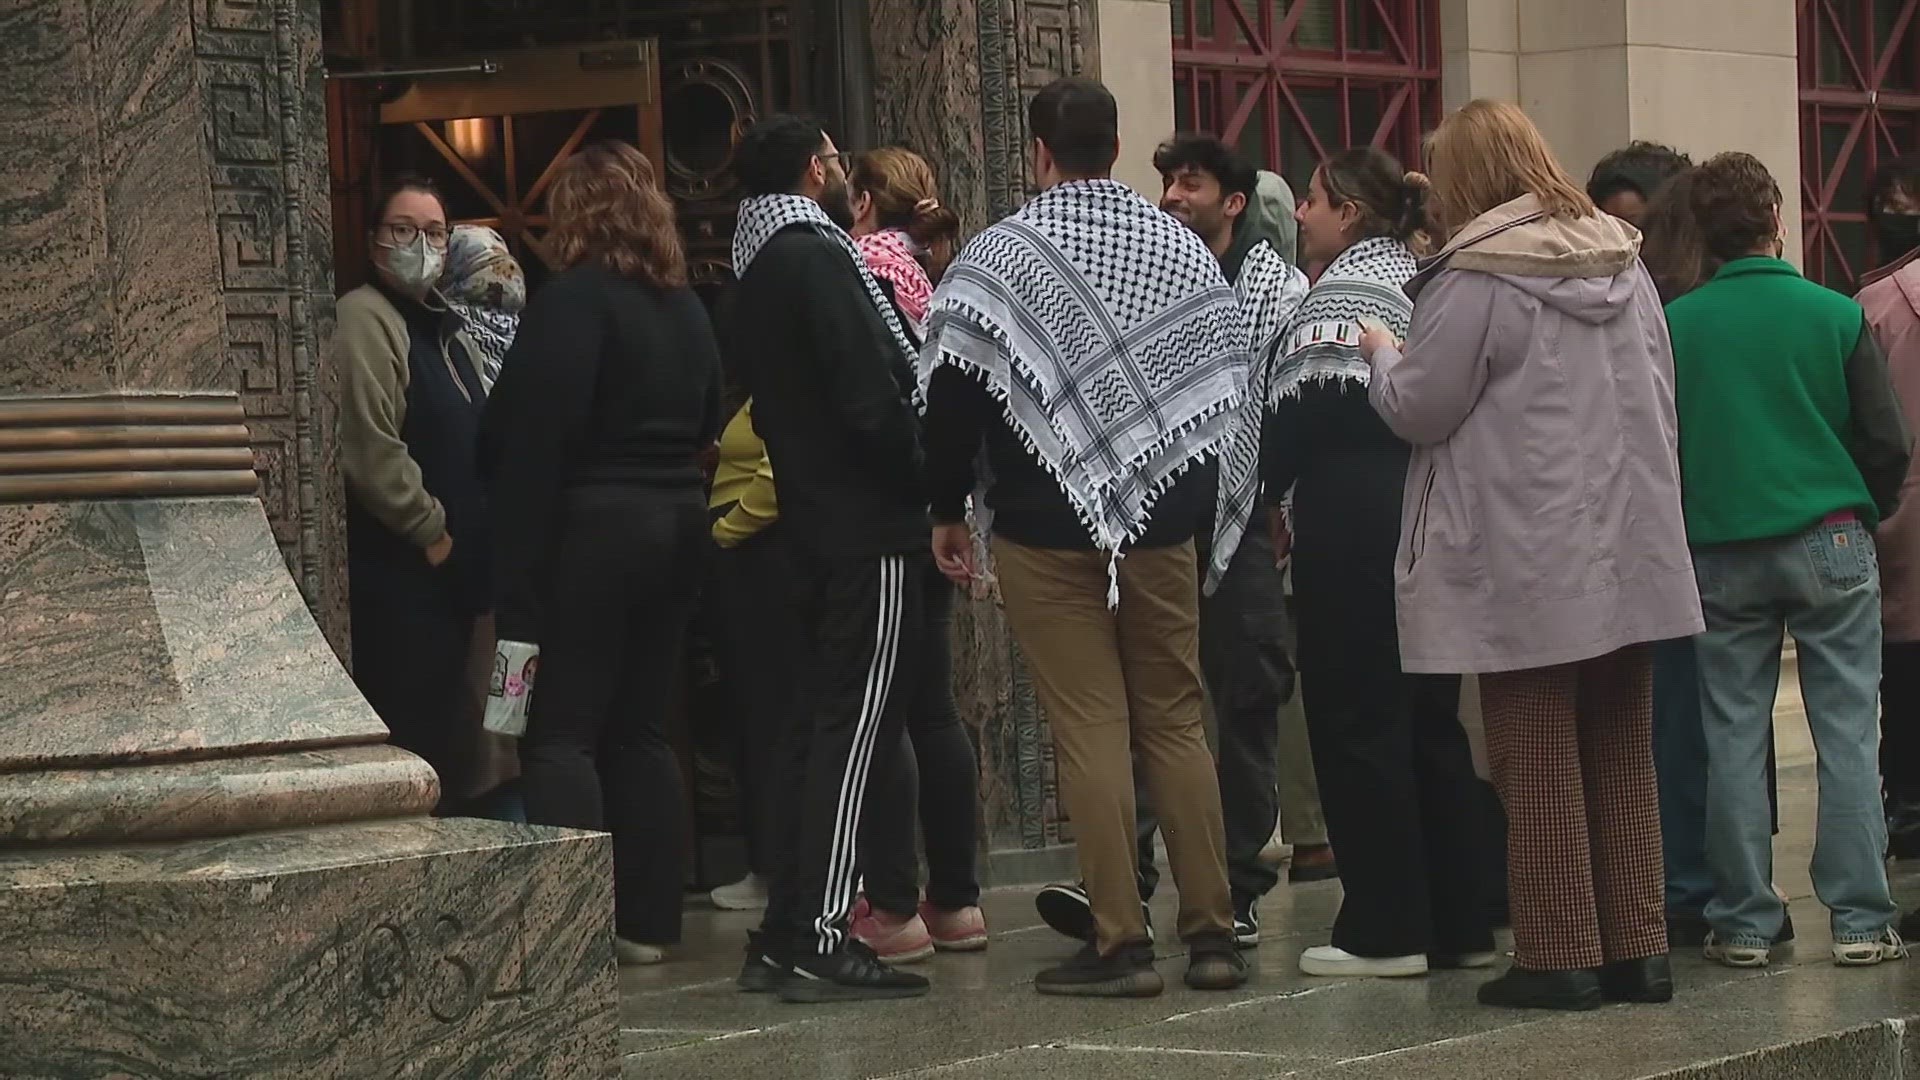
[
  {"x": 802, "y": 336},
  {"x": 609, "y": 381},
  {"x": 1028, "y": 504}
]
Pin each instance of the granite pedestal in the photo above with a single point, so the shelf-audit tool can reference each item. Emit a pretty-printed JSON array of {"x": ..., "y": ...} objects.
[
  {"x": 214, "y": 867},
  {"x": 211, "y": 863}
]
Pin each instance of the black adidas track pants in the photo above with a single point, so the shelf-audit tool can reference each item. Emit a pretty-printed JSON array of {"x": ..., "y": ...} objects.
[{"x": 864, "y": 622}]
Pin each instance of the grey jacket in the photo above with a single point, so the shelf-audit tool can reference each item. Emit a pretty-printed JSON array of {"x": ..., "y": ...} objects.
[{"x": 1541, "y": 523}]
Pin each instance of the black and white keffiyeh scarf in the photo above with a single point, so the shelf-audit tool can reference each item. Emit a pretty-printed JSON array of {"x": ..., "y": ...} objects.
[
  {"x": 1322, "y": 341},
  {"x": 1120, "y": 352},
  {"x": 1270, "y": 291},
  {"x": 764, "y": 215}
]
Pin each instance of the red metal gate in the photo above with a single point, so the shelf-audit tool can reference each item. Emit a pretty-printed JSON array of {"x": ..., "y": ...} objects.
[
  {"x": 1859, "y": 106},
  {"x": 1291, "y": 81}
]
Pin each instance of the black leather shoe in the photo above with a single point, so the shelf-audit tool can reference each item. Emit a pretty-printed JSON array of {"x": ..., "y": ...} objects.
[
  {"x": 1648, "y": 981},
  {"x": 763, "y": 971},
  {"x": 855, "y": 973},
  {"x": 1128, "y": 972},
  {"x": 1519, "y": 988}
]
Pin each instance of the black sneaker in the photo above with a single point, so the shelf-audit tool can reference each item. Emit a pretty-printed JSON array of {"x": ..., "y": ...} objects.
[
  {"x": 1127, "y": 973},
  {"x": 1067, "y": 909},
  {"x": 762, "y": 972},
  {"x": 1785, "y": 936},
  {"x": 1246, "y": 923},
  {"x": 855, "y": 973},
  {"x": 1216, "y": 964}
]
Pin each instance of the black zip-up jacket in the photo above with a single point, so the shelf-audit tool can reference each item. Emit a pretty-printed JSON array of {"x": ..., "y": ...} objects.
[
  {"x": 801, "y": 334},
  {"x": 1029, "y": 508}
]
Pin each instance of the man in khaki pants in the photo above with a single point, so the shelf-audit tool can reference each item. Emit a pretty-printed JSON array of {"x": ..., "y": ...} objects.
[{"x": 1091, "y": 344}]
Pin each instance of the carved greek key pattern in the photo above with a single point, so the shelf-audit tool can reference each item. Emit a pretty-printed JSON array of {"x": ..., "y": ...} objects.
[{"x": 260, "y": 79}]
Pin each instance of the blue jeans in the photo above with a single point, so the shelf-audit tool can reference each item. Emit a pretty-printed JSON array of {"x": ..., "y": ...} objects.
[
  {"x": 1680, "y": 760},
  {"x": 1823, "y": 587}
]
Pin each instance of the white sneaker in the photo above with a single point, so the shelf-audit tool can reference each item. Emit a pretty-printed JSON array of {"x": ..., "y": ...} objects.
[
  {"x": 637, "y": 954},
  {"x": 1743, "y": 956},
  {"x": 747, "y": 894},
  {"x": 1888, "y": 946},
  {"x": 1336, "y": 963}
]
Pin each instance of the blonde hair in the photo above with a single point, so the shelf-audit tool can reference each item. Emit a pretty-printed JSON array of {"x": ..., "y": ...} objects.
[{"x": 1489, "y": 153}]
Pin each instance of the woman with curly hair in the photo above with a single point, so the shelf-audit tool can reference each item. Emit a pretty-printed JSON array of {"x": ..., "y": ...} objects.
[{"x": 592, "y": 442}]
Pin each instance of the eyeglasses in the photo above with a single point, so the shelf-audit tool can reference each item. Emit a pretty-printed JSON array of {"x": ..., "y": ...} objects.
[{"x": 403, "y": 234}]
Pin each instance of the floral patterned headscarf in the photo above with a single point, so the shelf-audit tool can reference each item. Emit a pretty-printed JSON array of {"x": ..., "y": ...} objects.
[{"x": 484, "y": 284}]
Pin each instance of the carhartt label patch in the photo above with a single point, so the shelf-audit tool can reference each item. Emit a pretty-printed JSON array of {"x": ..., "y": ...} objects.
[{"x": 1840, "y": 540}]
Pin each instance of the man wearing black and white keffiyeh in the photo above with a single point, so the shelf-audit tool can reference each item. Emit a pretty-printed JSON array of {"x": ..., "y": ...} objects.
[
  {"x": 1091, "y": 344},
  {"x": 1243, "y": 651},
  {"x": 819, "y": 347}
]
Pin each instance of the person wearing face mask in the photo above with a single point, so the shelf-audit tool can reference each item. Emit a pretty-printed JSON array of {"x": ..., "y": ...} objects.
[
  {"x": 418, "y": 541},
  {"x": 1891, "y": 299}
]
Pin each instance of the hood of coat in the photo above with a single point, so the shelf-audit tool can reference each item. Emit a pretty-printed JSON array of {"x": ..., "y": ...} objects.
[
  {"x": 1904, "y": 273},
  {"x": 1587, "y": 267},
  {"x": 1269, "y": 217}
]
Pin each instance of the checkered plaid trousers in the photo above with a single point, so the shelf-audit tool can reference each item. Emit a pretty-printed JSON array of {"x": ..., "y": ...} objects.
[{"x": 1571, "y": 752}]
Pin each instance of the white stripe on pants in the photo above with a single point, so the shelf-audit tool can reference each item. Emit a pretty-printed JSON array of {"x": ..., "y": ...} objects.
[{"x": 842, "y": 861}]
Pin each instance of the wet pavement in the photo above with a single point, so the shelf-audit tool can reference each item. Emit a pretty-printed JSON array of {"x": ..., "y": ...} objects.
[{"x": 983, "y": 1019}]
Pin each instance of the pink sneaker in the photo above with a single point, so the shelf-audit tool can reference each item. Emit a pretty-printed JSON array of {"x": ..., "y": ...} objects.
[
  {"x": 896, "y": 940},
  {"x": 964, "y": 930}
]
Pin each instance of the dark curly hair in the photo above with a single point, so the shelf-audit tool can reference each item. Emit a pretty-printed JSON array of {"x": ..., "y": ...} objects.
[
  {"x": 1204, "y": 153},
  {"x": 1734, "y": 199},
  {"x": 1641, "y": 167}
]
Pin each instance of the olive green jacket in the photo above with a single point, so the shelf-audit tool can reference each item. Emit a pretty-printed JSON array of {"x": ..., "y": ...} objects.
[{"x": 370, "y": 343}]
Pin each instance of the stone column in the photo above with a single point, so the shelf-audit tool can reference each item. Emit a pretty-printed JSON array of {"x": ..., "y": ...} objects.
[
  {"x": 1139, "y": 35},
  {"x": 1703, "y": 76},
  {"x": 952, "y": 79},
  {"x": 210, "y": 861}
]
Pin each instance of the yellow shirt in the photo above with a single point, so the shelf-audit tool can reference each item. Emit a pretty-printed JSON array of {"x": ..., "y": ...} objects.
[{"x": 744, "y": 477}]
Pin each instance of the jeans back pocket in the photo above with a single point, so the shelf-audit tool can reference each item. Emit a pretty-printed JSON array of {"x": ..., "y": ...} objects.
[{"x": 1842, "y": 554}]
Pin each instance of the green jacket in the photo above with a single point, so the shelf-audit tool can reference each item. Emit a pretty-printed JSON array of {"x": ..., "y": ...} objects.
[{"x": 1786, "y": 411}]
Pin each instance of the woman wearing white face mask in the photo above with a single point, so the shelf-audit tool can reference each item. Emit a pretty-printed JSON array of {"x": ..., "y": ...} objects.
[{"x": 419, "y": 552}]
